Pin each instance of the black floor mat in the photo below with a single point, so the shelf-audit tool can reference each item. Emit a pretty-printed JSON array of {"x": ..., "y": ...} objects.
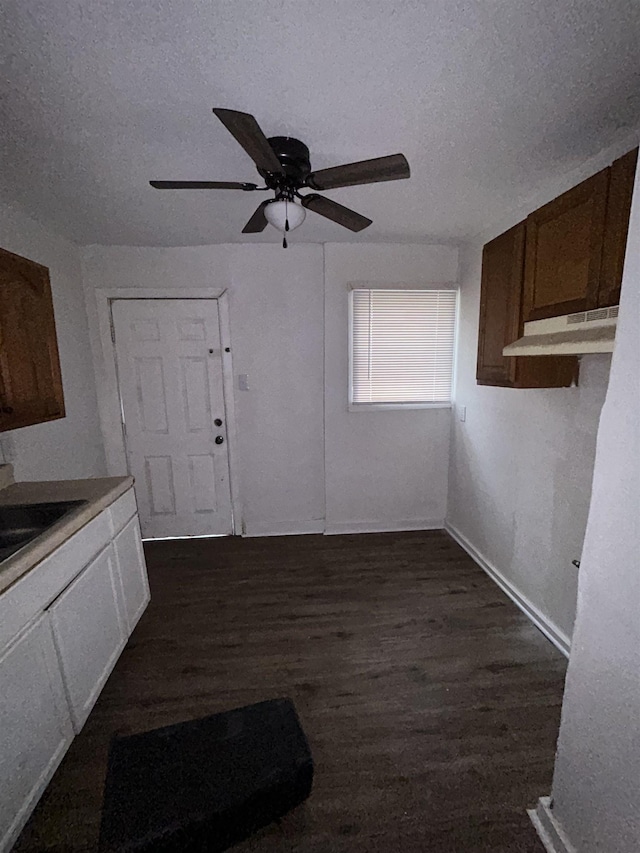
[{"x": 204, "y": 785}]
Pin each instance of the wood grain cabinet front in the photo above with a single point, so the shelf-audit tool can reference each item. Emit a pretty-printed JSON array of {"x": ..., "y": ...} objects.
[
  {"x": 563, "y": 255},
  {"x": 566, "y": 257},
  {"x": 30, "y": 378},
  {"x": 621, "y": 180},
  {"x": 502, "y": 322},
  {"x": 575, "y": 245}
]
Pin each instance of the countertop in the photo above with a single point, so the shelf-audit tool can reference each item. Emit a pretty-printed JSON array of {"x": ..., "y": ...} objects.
[{"x": 99, "y": 494}]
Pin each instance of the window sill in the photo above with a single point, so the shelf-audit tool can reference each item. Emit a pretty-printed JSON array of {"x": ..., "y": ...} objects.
[{"x": 368, "y": 407}]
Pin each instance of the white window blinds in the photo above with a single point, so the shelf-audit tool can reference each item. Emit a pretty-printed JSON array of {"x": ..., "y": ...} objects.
[{"x": 402, "y": 345}]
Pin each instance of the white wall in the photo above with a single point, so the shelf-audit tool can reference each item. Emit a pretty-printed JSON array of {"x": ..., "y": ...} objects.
[
  {"x": 522, "y": 462},
  {"x": 521, "y": 469},
  {"x": 596, "y": 786},
  {"x": 276, "y": 314},
  {"x": 385, "y": 470},
  {"x": 72, "y": 446}
]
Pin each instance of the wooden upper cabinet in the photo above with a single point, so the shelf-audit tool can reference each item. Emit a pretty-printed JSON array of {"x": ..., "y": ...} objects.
[
  {"x": 575, "y": 245},
  {"x": 564, "y": 244},
  {"x": 502, "y": 266},
  {"x": 568, "y": 256},
  {"x": 30, "y": 378},
  {"x": 621, "y": 180},
  {"x": 502, "y": 322}
]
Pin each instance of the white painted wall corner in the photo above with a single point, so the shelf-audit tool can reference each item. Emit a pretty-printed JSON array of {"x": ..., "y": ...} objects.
[{"x": 551, "y": 631}]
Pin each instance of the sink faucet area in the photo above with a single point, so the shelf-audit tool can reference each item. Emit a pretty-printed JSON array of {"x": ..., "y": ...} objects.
[{"x": 20, "y": 524}]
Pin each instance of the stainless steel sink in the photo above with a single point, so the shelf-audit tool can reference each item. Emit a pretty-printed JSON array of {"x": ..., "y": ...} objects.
[{"x": 20, "y": 524}]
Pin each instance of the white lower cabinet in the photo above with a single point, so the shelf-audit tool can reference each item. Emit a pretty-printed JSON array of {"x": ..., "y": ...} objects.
[
  {"x": 35, "y": 725},
  {"x": 132, "y": 572},
  {"x": 89, "y": 632},
  {"x": 63, "y": 626}
]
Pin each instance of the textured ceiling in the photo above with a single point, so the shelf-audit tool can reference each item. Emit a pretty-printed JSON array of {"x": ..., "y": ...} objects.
[{"x": 487, "y": 98}]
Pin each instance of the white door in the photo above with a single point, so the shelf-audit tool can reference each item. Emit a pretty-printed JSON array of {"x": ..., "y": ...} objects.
[{"x": 170, "y": 377}]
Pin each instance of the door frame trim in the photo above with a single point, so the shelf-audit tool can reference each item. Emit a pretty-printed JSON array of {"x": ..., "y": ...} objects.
[{"x": 109, "y": 403}]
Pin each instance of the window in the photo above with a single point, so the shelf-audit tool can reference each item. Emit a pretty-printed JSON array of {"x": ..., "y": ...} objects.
[{"x": 402, "y": 345}]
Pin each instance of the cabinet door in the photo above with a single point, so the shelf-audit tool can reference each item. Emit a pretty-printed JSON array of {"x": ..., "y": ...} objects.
[
  {"x": 502, "y": 267},
  {"x": 30, "y": 379},
  {"x": 563, "y": 252},
  {"x": 88, "y": 630},
  {"x": 623, "y": 172},
  {"x": 35, "y": 726},
  {"x": 132, "y": 572},
  {"x": 501, "y": 322}
]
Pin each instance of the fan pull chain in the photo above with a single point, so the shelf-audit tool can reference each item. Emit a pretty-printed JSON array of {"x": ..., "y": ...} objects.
[{"x": 286, "y": 223}]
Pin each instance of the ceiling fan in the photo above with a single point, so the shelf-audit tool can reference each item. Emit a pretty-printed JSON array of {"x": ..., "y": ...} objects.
[{"x": 283, "y": 163}]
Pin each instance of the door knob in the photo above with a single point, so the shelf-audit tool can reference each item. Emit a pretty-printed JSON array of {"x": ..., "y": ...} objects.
[
  {"x": 219, "y": 439},
  {"x": 218, "y": 422}
]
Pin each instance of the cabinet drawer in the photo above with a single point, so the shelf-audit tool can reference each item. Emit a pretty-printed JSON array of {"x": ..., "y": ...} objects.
[{"x": 89, "y": 634}]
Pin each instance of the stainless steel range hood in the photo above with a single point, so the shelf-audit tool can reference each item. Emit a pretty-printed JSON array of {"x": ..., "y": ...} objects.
[{"x": 572, "y": 334}]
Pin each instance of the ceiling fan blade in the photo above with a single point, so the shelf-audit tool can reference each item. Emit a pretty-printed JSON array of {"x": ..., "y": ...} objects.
[
  {"x": 391, "y": 168},
  {"x": 202, "y": 185},
  {"x": 258, "y": 221},
  {"x": 332, "y": 210},
  {"x": 246, "y": 130}
]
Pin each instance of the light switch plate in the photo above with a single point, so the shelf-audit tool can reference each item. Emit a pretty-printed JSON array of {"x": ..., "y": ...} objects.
[
  {"x": 243, "y": 382},
  {"x": 462, "y": 413}
]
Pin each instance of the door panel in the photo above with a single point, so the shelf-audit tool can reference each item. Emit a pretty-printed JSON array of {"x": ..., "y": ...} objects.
[{"x": 170, "y": 377}]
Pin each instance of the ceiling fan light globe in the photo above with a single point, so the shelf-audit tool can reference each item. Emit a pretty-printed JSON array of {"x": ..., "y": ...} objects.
[{"x": 279, "y": 211}]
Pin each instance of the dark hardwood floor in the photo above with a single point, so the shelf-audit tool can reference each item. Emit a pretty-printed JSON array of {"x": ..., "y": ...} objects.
[{"x": 431, "y": 704}]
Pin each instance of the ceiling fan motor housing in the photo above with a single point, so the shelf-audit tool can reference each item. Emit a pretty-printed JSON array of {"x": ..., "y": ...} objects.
[{"x": 294, "y": 158}]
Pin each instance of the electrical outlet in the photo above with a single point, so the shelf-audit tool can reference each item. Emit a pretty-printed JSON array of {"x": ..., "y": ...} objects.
[
  {"x": 243, "y": 382},
  {"x": 462, "y": 413}
]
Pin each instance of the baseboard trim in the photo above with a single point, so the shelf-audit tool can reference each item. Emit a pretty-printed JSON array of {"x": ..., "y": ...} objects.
[
  {"x": 283, "y": 528},
  {"x": 551, "y": 631},
  {"x": 549, "y": 830},
  {"x": 336, "y": 528}
]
